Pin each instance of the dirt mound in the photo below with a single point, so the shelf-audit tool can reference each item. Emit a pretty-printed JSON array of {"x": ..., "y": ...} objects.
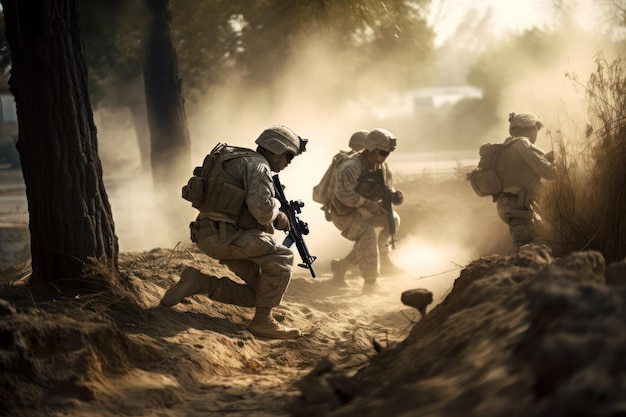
[
  {"x": 518, "y": 336},
  {"x": 525, "y": 335},
  {"x": 97, "y": 354},
  {"x": 50, "y": 360}
]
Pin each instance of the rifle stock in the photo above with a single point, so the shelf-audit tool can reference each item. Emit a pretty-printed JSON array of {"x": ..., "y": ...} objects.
[{"x": 298, "y": 227}]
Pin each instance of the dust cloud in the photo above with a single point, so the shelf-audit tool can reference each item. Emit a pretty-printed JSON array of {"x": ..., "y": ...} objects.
[
  {"x": 323, "y": 103},
  {"x": 431, "y": 264},
  {"x": 142, "y": 219},
  {"x": 305, "y": 99},
  {"x": 550, "y": 90}
]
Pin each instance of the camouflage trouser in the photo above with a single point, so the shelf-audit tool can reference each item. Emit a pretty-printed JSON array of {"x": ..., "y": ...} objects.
[
  {"x": 254, "y": 256},
  {"x": 520, "y": 217},
  {"x": 369, "y": 249}
]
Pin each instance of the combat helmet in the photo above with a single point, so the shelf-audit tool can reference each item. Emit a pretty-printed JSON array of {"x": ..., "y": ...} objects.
[
  {"x": 279, "y": 139},
  {"x": 357, "y": 140},
  {"x": 380, "y": 139},
  {"x": 524, "y": 121}
]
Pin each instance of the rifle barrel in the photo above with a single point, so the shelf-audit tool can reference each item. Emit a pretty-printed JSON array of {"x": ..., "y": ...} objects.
[{"x": 295, "y": 235}]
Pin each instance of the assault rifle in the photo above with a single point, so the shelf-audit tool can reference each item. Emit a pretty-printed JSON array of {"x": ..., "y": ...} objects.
[
  {"x": 372, "y": 186},
  {"x": 298, "y": 227}
]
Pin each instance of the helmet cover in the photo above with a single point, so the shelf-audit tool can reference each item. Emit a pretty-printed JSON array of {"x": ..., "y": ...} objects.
[
  {"x": 357, "y": 140},
  {"x": 524, "y": 121},
  {"x": 380, "y": 139},
  {"x": 279, "y": 139}
]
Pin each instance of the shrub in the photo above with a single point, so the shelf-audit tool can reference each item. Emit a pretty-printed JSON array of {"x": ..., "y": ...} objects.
[{"x": 585, "y": 205}]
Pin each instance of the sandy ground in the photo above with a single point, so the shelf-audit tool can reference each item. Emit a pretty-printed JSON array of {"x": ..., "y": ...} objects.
[
  {"x": 197, "y": 358},
  {"x": 481, "y": 349}
]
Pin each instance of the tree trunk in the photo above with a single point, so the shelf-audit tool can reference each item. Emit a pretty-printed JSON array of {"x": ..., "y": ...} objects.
[
  {"x": 69, "y": 212},
  {"x": 170, "y": 150}
]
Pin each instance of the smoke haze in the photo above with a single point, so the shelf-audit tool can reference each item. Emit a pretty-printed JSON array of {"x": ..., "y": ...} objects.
[{"x": 323, "y": 103}]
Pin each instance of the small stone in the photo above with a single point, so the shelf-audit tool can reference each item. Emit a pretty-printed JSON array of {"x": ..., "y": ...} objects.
[{"x": 419, "y": 298}]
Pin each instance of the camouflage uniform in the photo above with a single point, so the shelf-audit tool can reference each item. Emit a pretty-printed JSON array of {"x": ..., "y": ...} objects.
[
  {"x": 357, "y": 223},
  {"x": 521, "y": 167},
  {"x": 249, "y": 250},
  {"x": 234, "y": 193}
]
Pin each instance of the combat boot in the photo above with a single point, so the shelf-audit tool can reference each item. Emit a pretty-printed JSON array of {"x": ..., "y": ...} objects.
[
  {"x": 268, "y": 327},
  {"x": 191, "y": 282},
  {"x": 339, "y": 268}
]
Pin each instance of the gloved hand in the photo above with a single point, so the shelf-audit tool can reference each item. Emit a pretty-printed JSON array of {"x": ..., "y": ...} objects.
[
  {"x": 550, "y": 156},
  {"x": 397, "y": 198},
  {"x": 281, "y": 222}
]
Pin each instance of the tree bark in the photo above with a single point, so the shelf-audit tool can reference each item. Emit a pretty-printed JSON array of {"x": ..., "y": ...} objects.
[
  {"x": 170, "y": 146},
  {"x": 70, "y": 217}
]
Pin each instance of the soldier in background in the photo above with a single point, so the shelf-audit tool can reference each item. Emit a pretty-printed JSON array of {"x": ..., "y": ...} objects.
[
  {"x": 337, "y": 265},
  {"x": 358, "y": 218},
  {"x": 239, "y": 233},
  {"x": 357, "y": 141},
  {"x": 521, "y": 166}
]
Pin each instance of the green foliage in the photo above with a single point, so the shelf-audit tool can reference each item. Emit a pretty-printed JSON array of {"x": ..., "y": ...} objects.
[
  {"x": 260, "y": 40},
  {"x": 112, "y": 34},
  {"x": 256, "y": 41},
  {"x": 208, "y": 39},
  {"x": 585, "y": 204}
]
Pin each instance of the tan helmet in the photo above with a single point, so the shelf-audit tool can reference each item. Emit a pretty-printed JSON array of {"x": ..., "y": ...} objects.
[
  {"x": 380, "y": 139},
  {"x": 524, "y": 121},
  {"x": 279, "y": 139},
  {"x": 357, "y": 140}
]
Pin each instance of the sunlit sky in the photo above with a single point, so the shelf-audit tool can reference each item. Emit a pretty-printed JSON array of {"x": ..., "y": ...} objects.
[{"x": 509, "y": 15}]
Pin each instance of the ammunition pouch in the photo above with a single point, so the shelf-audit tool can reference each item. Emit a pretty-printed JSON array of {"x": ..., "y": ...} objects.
[
  {"x": 200, "y": 229},
  {"x": 193, "y": 232}
]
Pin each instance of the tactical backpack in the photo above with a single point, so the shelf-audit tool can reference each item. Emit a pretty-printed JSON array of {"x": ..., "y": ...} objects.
[
  {"x": 322, "y": 192},
  {"x": 210, "y": 189},
  {"x": 484, "y": 179}
]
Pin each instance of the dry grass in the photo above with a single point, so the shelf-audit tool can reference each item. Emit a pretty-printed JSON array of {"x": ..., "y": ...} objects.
[{"x": 585, "y": 204}]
